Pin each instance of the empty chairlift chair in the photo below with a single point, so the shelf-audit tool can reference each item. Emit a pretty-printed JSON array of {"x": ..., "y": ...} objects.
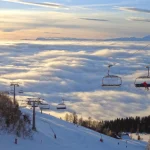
[
  {"x": 44, "y": 106},
  {"x": 143, "y": 81},
  {"x": 11, "y": 91},
  {"x": 5, "y": 92},
  {"x": 111, "y": 80},
  {"x": 61, "y": 105},
  {"x": 29, "y": 102},
  {"x": 23, "y": 104},
  {"x": 21, "y": 91}
]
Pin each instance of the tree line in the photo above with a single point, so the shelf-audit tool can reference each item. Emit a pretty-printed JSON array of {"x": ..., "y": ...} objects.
[
  {"x": 111, "y": 127},
  {"x": 129, "y": 124}
]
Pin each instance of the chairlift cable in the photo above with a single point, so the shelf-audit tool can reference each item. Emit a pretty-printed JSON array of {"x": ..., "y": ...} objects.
[{"x": 133, "y": 54}]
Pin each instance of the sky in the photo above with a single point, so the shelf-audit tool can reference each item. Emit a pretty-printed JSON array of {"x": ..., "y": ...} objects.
[{"x": 92, "y": 19}]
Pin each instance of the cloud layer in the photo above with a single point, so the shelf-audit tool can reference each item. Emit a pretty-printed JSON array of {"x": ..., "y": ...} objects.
[{"x": 74, "y": 70}]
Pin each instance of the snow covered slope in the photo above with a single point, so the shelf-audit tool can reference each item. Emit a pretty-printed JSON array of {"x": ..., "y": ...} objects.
[
  {"x": 144, "y": 137},
  {"x": 68, "y": 136}
]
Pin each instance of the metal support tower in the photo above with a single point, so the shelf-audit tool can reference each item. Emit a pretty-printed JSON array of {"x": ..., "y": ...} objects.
[
  {"x": 14, "y": 84},
  {"x": 34, "y": 102}
]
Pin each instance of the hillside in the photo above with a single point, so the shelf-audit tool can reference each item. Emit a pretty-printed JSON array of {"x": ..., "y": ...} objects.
[{"x": 69, "y": 136}]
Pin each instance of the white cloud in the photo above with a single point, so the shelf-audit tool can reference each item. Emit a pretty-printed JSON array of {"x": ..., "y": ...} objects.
[
  {"x": 138, "y": 19},
  {"x": 44, "y": 4},
  {"x": 134, "y": 9},
  {"x": 94, "y": 19}
]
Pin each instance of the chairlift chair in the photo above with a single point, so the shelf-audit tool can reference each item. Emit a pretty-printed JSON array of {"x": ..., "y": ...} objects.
[
  {"x": 20, "y": 91},
  {"x": 11, "y": 91},
  {"x": 61, "y": 105},
  {"x": 44, "y": 106},
  {"x": 31, "y": 103},
  {"x": 140, "y": 80},
  {"x": 41, "y": 102},
  {"x": 28, "y": 102},
  {"x": 5, "y": 92},
  {"x": 36, "y": 104},
  {"x": 111, "y": 80},
  {"x": 23, "y": 104}
]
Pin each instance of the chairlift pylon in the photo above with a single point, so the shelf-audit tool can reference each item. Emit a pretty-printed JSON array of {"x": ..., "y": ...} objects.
[
  {"x": 111, "y": 80},
  {"x": 139, "y": 81}
]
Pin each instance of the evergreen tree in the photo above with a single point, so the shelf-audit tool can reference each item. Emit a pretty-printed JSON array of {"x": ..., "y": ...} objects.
[
  {"x": 80, "y": 121},
  {"x": 75, "y": 118}
]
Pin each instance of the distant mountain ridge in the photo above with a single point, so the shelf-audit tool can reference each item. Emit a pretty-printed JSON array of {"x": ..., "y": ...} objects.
[
  {"x": 145, "y": 38},
  {"x": 64, "y": 39}
]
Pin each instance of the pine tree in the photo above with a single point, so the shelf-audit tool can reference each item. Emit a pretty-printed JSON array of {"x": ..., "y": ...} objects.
[
  {"x": 89, "y": 121},
  {"x": 11, "y": 118},
  {"x": 80, "y": 121},
  {"x": 75, "y": 118}
]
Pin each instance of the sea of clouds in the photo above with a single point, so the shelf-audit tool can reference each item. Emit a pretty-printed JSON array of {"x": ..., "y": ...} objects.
[{"x": 73, "y": 70}]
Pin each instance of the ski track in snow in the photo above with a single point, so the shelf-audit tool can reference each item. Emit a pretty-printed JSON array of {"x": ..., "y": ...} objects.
[{"x": 69, "y": 136}]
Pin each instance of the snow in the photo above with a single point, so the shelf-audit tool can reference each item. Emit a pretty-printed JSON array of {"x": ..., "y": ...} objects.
[
  {"x": 68, "y": 136},
  {"x": 144, "y": 136},
  {"x": 73, "y": 70}
]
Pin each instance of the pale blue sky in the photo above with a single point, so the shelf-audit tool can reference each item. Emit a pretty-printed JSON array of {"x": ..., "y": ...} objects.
[{"x": 74, "y": 18}]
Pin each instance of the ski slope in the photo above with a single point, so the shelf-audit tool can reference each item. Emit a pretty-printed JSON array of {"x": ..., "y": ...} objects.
[
  {"x": 144, "y": 136},
  {"x": 69, "y": 136}
]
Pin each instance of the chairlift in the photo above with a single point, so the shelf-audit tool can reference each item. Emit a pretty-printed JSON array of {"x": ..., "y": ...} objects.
[
  {"x": 12, "y": 91},
  {"x": 111, "y": 80},
  {"x": 20, "y": 91},
  {"x": 139, "y": 82},
  {"x": 44, "y": 106},
  {"x": 41, "y": 102},
  {"x": 23, "y": 104},
  {"x": 4, "y": 92},
  {"x": 29, "y": 102},
  {"x": 35, "y": 104},
  {"x": 61, "y": 105}
]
